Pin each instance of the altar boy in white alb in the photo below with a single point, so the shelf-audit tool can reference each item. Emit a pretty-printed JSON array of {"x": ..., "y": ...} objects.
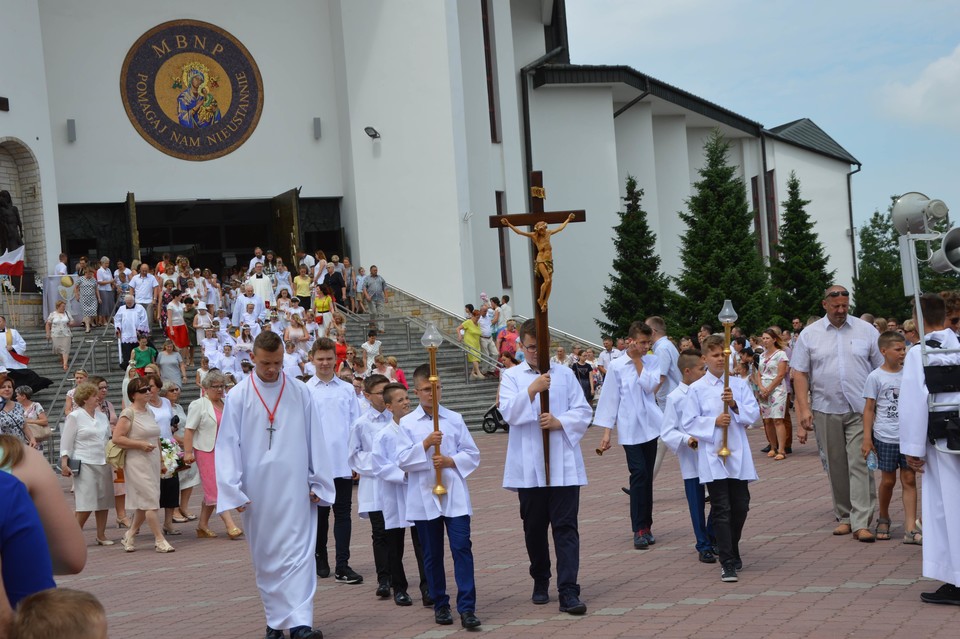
[
  {"x": 542, "y": 506},
  {"x": 707, "y": 410},
  {"x": 925, "y": 440},
  {"x": 272, "y": 466},
  {"x": 458, "y": 457}
]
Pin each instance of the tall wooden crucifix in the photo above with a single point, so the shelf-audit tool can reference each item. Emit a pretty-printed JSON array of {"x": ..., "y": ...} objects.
[{"x": 539, "y": 234}]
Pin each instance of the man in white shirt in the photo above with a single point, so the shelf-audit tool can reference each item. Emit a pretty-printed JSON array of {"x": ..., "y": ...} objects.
[
  {"x": 607, "y": 355},
  {"x": 146, "y": 290},
  {"x": 257, "y": 258},
  {"x": 488, "y": 345},
  {"x": 303, "y": 259},
  {"x": 546, "y": 504},
  {"x": 130, "y": 320},
  {"x": 340, "y": 411},
  {"x": 627, "y": 402},
  {"x": 831, "y": 360},
  {"x": 61, "y": 267}
]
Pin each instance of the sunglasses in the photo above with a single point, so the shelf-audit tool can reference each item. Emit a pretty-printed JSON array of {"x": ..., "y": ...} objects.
[
  {"x": 144, "y": 390},
  {"x": 838, "y": 294}
]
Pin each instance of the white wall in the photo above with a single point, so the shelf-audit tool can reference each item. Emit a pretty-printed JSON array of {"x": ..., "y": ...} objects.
[
  {"x": 84, "y": 45},
  {"x": 574, "y": 144},
  {"x": 23, "y": 82},
  {"x": 823, "y": 181},
  {"x": 673, "y": 186},
  {"x": 635, "y": 156},
  {"x": 407, "y": 194}
]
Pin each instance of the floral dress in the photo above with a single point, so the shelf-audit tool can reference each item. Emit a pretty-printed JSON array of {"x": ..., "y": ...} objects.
[
  {"x": 165, "y": 299},
  {"x": 774, "y": 405}
]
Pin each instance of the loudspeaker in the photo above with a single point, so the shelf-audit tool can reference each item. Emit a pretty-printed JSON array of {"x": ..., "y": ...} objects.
[
  {"x": 947, "y": 257},
  {"x": 912, "y": 209}
]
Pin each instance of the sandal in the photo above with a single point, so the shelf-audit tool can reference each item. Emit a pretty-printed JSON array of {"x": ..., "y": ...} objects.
[
  {"x": 913, "y": 538},
  {"x": 779, "y": 457},
  {"x": 883, "y": 534},
  {"x": 772, "y": 453},
  {"x": 172, "y": 531},
  {"x": 180, "y": 520}
]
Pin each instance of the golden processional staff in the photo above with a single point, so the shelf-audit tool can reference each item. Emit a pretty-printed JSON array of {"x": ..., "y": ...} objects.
[
  {"x": 431, "y": 340},
  {"x": 727, "y": 317},
  {"x": 543, "y": 276}
]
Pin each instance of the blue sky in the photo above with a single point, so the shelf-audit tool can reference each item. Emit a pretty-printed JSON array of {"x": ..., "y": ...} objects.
[{"x": 880, "y": 77}]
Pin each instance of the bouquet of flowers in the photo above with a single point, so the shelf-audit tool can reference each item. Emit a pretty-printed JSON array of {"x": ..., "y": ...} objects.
[{"x": 171, "y": 456}]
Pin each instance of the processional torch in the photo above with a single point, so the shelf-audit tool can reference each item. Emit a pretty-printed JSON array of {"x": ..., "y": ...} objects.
[
  {"x": 431, "y": 340},
  {"x": 727, "y": 317}
]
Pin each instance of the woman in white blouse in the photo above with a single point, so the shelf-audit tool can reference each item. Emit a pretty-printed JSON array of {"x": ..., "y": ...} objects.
[
  {"x": 58, "y": 331},
  {"x": 84, "y": 439}
]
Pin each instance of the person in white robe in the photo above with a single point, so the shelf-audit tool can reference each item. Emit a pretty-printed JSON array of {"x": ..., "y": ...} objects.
[
  {"x": 272, "y": 466},
  {"x": 940, "y": 465},
  {"x": 627, "y": 402},
  {"x": 130, "y": 320},
  {"x": 340, "y": 411},
  {"x": 707, "y": 409},
  {"x": 262, "y": 286},
  {"x": 433, "y": 515},
  {"x": 240, "y": 305},
  {"x": 360, "y": 460},
  {"x": 544, "y": 505},
  {"x": 685, "y": 448},
  {"x": 392, "y": 490}
]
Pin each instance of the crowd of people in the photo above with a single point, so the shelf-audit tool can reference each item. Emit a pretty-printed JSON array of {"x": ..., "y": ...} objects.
[{"x": 285, "y": 405}]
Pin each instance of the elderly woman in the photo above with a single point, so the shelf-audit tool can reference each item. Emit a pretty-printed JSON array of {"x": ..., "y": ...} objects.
[
  {"x": 106, "y": 285},
  {"x": 105, "y": 407},
  {"x": 167, "y": 420},
  {"x": 12, "y": 417},
  {"x": 88, "y": 295},
  {"x": 58, "y": 331},
  {"x": 84, "y": 440},
  {"x": 203, "y": 421},
  {"x": 189, "y": 477},
  {"x": 138, "y": 432},
  {"x": 34, "y": 418}
]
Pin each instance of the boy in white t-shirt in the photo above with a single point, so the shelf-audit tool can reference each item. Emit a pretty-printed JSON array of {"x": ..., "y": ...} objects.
[
  {"x": 881, "y": 434},
  {"x": 371, "y": 348}
]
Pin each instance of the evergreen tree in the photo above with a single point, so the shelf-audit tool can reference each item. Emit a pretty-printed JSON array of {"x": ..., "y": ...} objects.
[
  {"x": 799, "y": 274},
  {"x": 637, "y": 287},
  {"x": 719, "y": 249},
  {"x": 878, "y": 287}
]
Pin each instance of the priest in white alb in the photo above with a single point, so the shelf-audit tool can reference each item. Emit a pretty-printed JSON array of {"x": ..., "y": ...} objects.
[
  {"x": 272, "y": 466},
  {"x": 130, "y": 321},
  {"x": 247, "y": 296},
  {"x": 262, "y": 285}
]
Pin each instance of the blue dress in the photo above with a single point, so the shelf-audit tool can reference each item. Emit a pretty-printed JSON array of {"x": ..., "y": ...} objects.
[{"x": 27, "y": 567}]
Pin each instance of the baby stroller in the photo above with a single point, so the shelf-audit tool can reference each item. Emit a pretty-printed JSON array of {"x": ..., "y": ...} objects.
[{"x": 492, "y": 420}]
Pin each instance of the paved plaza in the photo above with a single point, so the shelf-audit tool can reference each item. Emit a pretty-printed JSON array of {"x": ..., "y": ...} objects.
[{"x": 798, "y": 580}]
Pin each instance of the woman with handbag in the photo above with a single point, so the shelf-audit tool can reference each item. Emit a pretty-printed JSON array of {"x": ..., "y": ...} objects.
[
  {"x": 203, "y": 422},
  {"x": 34, "y": 419},
  {"x": 83, "y": 454},
  {"x": 139, "y": 434}
]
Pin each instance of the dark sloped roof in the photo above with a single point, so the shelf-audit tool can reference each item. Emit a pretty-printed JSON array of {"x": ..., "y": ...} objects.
[
  {"x": 604, "y": 74},
  {"x": 805, "y": 133},
  {"x": 802, "y": 133}
]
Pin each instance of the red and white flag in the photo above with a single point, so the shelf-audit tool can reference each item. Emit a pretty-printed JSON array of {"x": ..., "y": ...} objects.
[{"x": 11, "y": 262}]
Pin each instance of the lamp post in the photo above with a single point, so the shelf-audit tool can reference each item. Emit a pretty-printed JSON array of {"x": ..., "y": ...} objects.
[
  {"x": 431, "y": 340},
  {"x": 727, "y": 317}
]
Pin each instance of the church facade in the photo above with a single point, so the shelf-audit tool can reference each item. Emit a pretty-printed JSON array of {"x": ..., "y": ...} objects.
[{"x": 386, "y": 131}]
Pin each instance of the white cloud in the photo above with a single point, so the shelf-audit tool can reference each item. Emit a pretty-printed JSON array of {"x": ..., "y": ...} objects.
[{"x": 930, "y": 99}]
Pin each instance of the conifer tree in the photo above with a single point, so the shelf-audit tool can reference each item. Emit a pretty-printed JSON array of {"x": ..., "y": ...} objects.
[
  {"x": 719, "y": 249},
  {"x": 799, "y": 273},
  {"x": 878, "y": 287},
  {"x": 637, "y": 287}
]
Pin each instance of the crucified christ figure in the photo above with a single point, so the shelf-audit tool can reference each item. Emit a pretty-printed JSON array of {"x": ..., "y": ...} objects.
[{"x": 543, "y": 265}]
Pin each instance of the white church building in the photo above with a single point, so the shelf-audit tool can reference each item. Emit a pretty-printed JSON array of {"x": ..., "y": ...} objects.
[{"x": 385, "y": 130}]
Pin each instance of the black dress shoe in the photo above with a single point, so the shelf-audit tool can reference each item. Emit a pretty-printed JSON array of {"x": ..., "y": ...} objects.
[
  {"x": 626, "y": 491},
  {"x": 707, "y": 557},
  {"x": 273, "y": 634},
  {"x": 651, "y": 540},
  {"x": 571, "y": 604},
  {"x": 640, "y": 542},
  {"x": 443, "y": 616},
  {"x": 541, "y": 593},
  {"x": 383, "y": 590},
  {"x": 305, "y": 632},
  {"x": 469, "y": 620},
  {"x": 788, "y": 450},
  {"x": 427, "y": 599},
  {"x": 323, "y": 566},
  {"x": 401, "y": 598},
  {"x": 765, "y": 449},
  {"x": 945, "y": 594}
]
